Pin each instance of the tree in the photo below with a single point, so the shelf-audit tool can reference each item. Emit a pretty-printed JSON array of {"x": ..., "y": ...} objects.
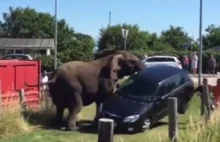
[
  {"x": 212, "y": 38},
  {"x": 28, "y": 23},
  {"x": 176, "y": 37},
  {"x": 112, "y": 38}
]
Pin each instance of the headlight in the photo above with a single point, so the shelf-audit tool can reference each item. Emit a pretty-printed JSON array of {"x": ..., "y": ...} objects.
[{"x": 132, "y": 118}]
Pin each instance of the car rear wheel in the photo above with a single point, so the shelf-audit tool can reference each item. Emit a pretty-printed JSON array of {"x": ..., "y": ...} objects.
[{"x": 146, "y": 124}]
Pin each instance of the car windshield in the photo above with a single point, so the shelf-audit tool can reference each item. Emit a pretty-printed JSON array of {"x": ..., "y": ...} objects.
[
  {"x": 138, "y": 88},
  {"x": 160, "y": 59}
]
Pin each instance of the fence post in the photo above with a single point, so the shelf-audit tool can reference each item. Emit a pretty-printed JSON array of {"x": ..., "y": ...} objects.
[
  {"x": 206, "y": 102},
  {"x": 1, "y": 96},
  {"x": 22, "y": 99},
  {"x": 105, "y": 130},
  {"x": 173, "y": 120}
]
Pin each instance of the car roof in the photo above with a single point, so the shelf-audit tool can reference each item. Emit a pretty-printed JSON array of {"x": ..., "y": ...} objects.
[
  {"x": 159, "y": 73},
  {"x": 158, "y": 56}
]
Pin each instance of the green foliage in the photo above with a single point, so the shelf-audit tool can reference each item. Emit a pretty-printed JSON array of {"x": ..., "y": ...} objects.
[
  {"x": 175, "y": 36},
  {"x": 28, "y": 23},
  {"x": 112, "y": 36},
  {"x": 212, "y": 39}
]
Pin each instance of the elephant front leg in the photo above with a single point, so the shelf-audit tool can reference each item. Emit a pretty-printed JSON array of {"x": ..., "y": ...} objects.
[{"x": 97, "y": 114}]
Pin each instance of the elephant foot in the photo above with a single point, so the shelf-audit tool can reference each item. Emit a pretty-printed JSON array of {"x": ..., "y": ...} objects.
[
  {"x": 71, "y": 128},
  {"x": 60, "y": 125}
]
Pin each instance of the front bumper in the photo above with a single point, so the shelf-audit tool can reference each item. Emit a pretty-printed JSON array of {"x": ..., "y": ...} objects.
[{"x": 120, "y": 125}]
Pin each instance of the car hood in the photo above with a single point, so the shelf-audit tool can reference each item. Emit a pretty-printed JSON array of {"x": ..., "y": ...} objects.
[{"x": 122, "y": 106}]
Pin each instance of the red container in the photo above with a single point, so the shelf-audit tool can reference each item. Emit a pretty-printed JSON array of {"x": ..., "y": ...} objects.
[{"x": 14, "y": 74}]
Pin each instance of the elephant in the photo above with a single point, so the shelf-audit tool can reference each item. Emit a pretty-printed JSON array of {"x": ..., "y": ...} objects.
[{"x": 76, "y": 83}]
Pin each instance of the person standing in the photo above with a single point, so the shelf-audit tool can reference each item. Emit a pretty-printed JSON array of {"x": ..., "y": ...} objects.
[
  {"x": 194, "y": 63},
  {"x": 45, "y": 91},
  {"x": 205, "y": 99},
  {"x": 185, "y": 63},
  {"x": 211, "y": 65}
]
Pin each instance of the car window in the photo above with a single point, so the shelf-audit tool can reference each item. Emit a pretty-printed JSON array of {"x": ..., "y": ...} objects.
[
  {"x": 162, "y": 89},
  {"x": 138, "y": 87},
  {"x": 160, "y": 59},
  {"x": 169, "y": 85},
  {"x": 8, "y": 57},
  {"x": 21, "y": 57},
  {"x": 184, "y": 78}
]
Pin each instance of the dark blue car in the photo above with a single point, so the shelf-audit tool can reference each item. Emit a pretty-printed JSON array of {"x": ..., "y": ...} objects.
[{"x": 142, "y": 99}]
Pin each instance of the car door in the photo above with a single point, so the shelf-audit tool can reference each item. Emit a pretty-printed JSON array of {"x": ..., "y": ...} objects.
[
  {"x": 166, "y": 89},
  {"x": 160, "y": 107},
  {"x": 177, "y": 88}
]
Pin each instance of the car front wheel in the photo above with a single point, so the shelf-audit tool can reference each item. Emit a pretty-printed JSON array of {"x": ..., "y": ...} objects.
[{"x": 146, "y": 124}]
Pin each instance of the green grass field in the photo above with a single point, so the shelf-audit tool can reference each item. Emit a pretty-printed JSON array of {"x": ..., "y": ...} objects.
[{"x": 159, "y": 133}]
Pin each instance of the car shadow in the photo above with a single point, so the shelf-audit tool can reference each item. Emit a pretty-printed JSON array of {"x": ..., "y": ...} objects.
[
  {"x": 162, "y": 123},
  {"x": 87, "y": 126}
]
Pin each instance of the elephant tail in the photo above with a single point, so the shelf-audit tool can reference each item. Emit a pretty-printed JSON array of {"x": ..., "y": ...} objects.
[
  {"x": 48, "y": 82},
  {"x": 51, "y": 80},
  {"x": 40, "y": 84}
]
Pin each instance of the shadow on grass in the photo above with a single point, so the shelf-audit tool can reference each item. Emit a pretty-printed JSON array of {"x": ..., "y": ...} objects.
[
  {"x": 42, "y": 118},
  {"x": 46, "y": 120},
  {"x": 86, "y": 126}
]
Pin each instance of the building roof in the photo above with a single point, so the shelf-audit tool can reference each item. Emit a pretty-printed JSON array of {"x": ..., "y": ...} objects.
[{"x": 31, "y": 43}]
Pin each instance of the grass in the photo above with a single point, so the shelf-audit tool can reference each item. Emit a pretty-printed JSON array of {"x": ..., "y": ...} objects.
[
  {"x": 42, "y": 134},
  {"x": 12, "y": 122},
  {"x": 34, "y": 128}
]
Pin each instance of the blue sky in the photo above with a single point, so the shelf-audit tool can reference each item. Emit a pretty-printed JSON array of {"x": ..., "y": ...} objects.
[{"x": 88, "y": 16}]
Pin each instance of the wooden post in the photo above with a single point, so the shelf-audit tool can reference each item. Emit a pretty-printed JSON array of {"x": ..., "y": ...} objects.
[
  {"x": 173, "y": 120},
  {"x": 206, "y": 102},
  {"x": 105, "y": 130},
  {"x": 22, "y": 99},
  {"x": 0, "y": 96}
]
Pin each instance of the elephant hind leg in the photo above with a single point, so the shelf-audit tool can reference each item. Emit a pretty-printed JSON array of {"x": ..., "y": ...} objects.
[
  {"x": 74, "y": 108},
  {"x": 59, "y": 116}
]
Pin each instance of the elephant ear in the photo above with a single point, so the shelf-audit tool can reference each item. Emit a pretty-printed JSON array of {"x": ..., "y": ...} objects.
[{"x": 114, "y": 66}]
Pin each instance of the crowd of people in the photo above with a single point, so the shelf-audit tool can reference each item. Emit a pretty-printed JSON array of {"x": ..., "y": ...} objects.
[{"x": 190, "y": 64}]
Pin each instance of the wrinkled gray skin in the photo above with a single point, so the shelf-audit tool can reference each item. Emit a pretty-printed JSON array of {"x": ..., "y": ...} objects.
[{"x": 76, "y": 84}]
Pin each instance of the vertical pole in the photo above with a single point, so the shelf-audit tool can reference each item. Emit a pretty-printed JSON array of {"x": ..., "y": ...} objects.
[
  {"x": 55, "y": 37},
  {"x": 200, "y": 44},
  {"x": 22, "y": 99},
  {"x": 109, "y": 19},
  {"x": 125, "y": 43},
  {"x": 105, "y": 130},
  {"x": 206, "y": 102},
  {"x": 173, "y": 120}
]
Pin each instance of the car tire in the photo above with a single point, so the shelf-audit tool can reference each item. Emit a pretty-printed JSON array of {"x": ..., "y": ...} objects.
[{"x": 145, "y": 124}]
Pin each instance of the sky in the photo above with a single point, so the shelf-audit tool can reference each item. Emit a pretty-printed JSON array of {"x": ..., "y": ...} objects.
[{"x": 88, "y": 16}]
